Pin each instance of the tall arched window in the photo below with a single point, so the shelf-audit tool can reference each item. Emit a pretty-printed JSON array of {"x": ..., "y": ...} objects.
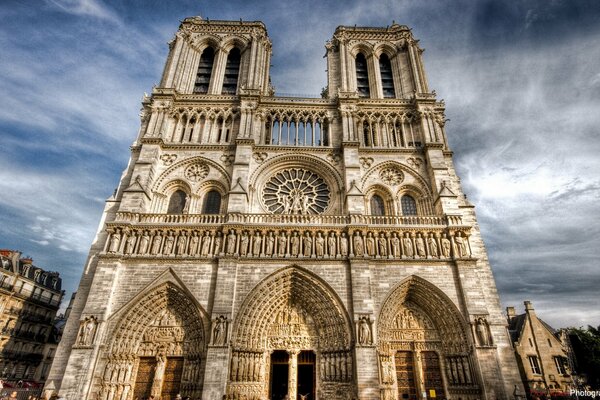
[
  {"x": 387, "y": 79},
  {"x": 204, "y": 70},
  {"x": 212, "y": 203},
  {"x": 377, "y": 206},
  {"x": 362, "y": 76},
  {"x": 177, "y": 202},
  {"x": 409, "y": 205},
  {"x": 232, "y": 72}
]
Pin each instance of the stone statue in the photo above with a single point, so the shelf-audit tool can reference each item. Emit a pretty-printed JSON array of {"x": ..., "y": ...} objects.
[
  {"x": 294, "y": 244},
  {"x": 87, "y": 331},
  {"x": 364, "y": 331},
  {"x": 144, "y": 242},
  {"x": 156, "y": 243},
  {"x": 408, "y": 247},
  {"x": 344, "y": 245},
  {"x": 461, "y": 246},
  {"x": 257, "y": 240},
  {"x": 433, "y": 247},
  {"x": 281, "y": 244},
  {"x": 395, "y": 245},
  {"x": 205, "y": 244},
  {"x": 219, "y": 332},
  {"x": 244, "y": 240},
  {"x": 420, "y": 245},
  {"x": 445, "y": 246},
  {"x": 307, "y": 244},
  {"x": 270, "y": 243},
  {"x": 130, "y": 243},
  {"x": 231, "y": 242},
  {"x": 115, "y": 242},
  {"x": 370, "y": 244},
  {"x": 319, "y": 245},
  {"x": 483, "y": 333},
  {"x": 331, "y": 244},
  {"x": 234, "y": 366},
  {"x": 186, "y": 205},
  {"x": 218, "y": 240},
  {"x": 382, "y": 245},
  {"x": 358, "y": 244},
  {"x": 181, "y": 243},
  {"x": 194, "y": 241},
  {"x": 169, "y": 243}
]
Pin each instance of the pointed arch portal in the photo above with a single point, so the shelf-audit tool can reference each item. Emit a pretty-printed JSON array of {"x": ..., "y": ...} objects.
[
  {"x": 424, "y": 348},
  {"x": 292, "y": 337},
  {"x": 157, "y": 347}
]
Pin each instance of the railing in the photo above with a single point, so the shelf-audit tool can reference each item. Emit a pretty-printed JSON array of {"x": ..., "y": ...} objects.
[{"x": 288, "y": 219}]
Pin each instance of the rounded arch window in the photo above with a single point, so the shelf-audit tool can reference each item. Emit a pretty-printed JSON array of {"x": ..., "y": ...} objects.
[
  {"x": 409, "y": 205},
  {"x": 212, "y": 203},
  {"x": 377, "y": 205},
  {"x": 362, "y": 76},
  {"x": 178, "y": 202}
]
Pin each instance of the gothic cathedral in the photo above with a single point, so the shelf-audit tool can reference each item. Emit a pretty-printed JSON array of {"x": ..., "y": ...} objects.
[{"x": 270, "y": 247}]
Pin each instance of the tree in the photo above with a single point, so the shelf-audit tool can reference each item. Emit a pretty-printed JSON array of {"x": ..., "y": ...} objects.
[{"x": 586, "y": 347}]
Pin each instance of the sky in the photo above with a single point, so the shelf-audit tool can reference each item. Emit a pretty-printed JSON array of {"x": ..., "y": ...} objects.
[{"x": 521, "y": 82}]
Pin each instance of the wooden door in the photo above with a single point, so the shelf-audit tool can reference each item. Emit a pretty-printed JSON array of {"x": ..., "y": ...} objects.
[
  {"x": 405, "y": 375},
  {"x": 432, "y": 375},
  {"x": 172, "y": 380},
  {"x": 144, "y": 377}
]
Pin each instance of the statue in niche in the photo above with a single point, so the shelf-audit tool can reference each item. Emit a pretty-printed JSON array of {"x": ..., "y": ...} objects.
[
  {"x": 130, "y": 243},
  {"x": 270, "y": 244},
  {"x": 231, "y": 242},
  {"x": 169, "y": 242},
  {"x": 294, "y": 244},
  {"x": 370, "y": 241},
  {"x": 244, "y": 240},
  {"x": 257, "y": 240},
  {"x": 358, "y": 244},
  {"x": 483, "y": 332},
  {"x": 194, "y": 241},
  {"x": 115, "y": 242},
  {"x": 395, "y": 245},
  {"x": 461, "y": 246},
  {"x": 281, "y": 244},
  {"x": 319, "y": 245},
  {"x": 382, "y": 245},
  {"x": 445, "y": 246},
  {"x": 307, "y": 244},
  {"x": 87, "y": 331},
  {"x": 344, "y": 245},
  {"x": 407, "y": 245},
  {"x": 186, "y": 205},
  {"x": 420, "y": 245},
  {"x": 364, "y": 331},
  {"x": 156, "y": 241},
  {"x": 331, "y": 244},
  {"x": 220, "y": 331},
  {"x": 144, "y": 241},
  {"x": 181, "y": 243},
  {"x": 218, "y": 239},
  {"x": 433, "y": 248},
  {"x": 234, "y": 366}
]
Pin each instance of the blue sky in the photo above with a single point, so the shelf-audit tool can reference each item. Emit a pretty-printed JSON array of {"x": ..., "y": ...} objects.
[{"x": 520, "y": 79}]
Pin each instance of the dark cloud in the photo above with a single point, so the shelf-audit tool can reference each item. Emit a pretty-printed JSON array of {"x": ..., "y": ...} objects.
[{"x": 520, "y": 80}]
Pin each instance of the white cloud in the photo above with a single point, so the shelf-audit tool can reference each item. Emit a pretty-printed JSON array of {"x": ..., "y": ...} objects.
[{"x": 92, "y": 8}]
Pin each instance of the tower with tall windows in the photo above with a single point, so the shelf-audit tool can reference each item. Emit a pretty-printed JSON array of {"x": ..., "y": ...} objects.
[{"x": 262, "y": 246}]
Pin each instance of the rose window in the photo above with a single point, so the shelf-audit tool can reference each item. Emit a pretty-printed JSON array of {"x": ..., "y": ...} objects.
[
  {"x": 391, "y": 176},
  {"x": 196, "y": 172},
  {"x": 296, "y": 191}
]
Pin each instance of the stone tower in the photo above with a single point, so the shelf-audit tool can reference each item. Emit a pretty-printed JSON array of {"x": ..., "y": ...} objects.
[{"x": 261, "y": 246}]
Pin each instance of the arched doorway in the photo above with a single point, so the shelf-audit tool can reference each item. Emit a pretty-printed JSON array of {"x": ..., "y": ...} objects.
[
  {"x": 424, "y": 349},
  {"x": 292, "y": 337},
  {"x": 157, "y": 348}
]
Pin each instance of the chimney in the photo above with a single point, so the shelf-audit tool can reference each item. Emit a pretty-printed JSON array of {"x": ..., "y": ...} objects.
[{"x": 510, "y": 313}]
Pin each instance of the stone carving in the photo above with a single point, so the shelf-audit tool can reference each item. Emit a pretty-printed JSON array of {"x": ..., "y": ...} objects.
[
  {"x": 319, "y": 245},
  {"x": 395, "y": 245},
  {"x": 370, "y": 244},
  {"x": 256, "y": 242},
  {"x": 294, "y": 244},
  {"x": 205, "y": 244},
  {"x": 169, "y": 243},
  {"x": 420, "y": 245},
  {"x": 366, "y": 162},
  {"x": 87, "y": 331},
  {"x": 433, "y": 247},
  {"x": 391, "y": 176},
  {"x": 445, "y": 246},
  {"x": 334, "y": 158},
  {"x": 244, "y": 242},
  {"x": 260, "y": 157},
  {"x": 407, "y": 247},
  {"x": 130, "y": 243},
  {"x": 144, "y": 242},
  {"x": 227, "y": 159},
  {"x": 156, "y": 242},
  {"x": 270, "y": 244},
  {"x": 181, "y": 244},
  {"x": 296, "y": 191},
  {"x": 307, "y": 244},
  {"x": 344, "y": 245},
  {"x": 196, "y": 172},
  {"x": 331, "y": 244},
  {"x": 220, "y": 331},
  {"x": 168, "y": 159},
  {"x": 462, "y": 246},
  {"x": 482, "y": 329},
  {"x": 365, "y": 337},
  {"x": 415, "y": 162},
  {"x": 231, "y": 242},
  {"x": 358, "y": 244},
  {"x": 115, "y": 242},
  {"x": 382, "y": 242}
]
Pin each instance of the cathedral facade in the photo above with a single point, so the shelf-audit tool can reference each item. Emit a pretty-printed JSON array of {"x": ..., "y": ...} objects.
[{"x": 262, "y": 246}]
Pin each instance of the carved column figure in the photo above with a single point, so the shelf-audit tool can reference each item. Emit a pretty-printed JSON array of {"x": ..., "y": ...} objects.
[
  {"x": 395, "y": 245},
  {"x": 382, "y": 241},
  {"x": 156, "y": 243},
  {"x": 420, "y": 245},
  {"x": 193, "y": 246},
  {"x": 331, "y": 245},
  {"x": 445, "y": 246},
  {"x": 433, "y": 248},
  {"x": 269, "y": 244},
  {"x": 115, "y": 241},
  {"x": 217, "y": 244},
  {"x": 307, "y": 242},
  {"x": 282, "y": 244},
  {"x": 256, "y": 244},
  {"x": 294, "y": 244},
  {"x": 358, "y": 244},
  {"x": 344, "y": 245},
  {"x": 130, "y": 242},
  {"x": 370, "y": 244},
  {"x": 244, "y": 242},
  {"x": 181, "y": 243},
  {"x": 319, "y": 245},
  {"x": 169, "y": 242},
  {"x": 144, "y": 242},
  {"x": 407, "y": 247},
  {"x": 231, "y": 242}
]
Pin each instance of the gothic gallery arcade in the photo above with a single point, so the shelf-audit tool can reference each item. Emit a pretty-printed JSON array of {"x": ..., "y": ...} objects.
[{"x": 267, "y": 247}]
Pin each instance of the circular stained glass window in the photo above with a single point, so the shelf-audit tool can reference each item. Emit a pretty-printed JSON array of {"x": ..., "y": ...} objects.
[{"x": 296, "y": 191}]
